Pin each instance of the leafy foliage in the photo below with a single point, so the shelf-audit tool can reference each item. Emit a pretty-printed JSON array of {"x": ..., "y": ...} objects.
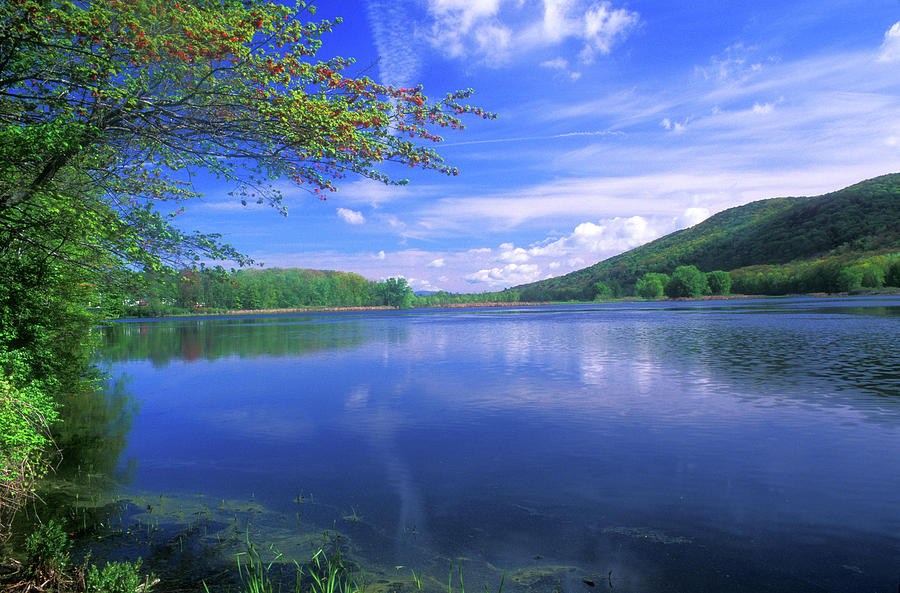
[
  {"x": 117, "y": 577},
  {"x": 47, "y": 550},
  {"x": 25, "y": 415},
  {"x": 105, "y": 105},
  {"x": 687, "y": 281},
  {"x": 719, "y": 282},
  {"x": 651, "y": 285}
]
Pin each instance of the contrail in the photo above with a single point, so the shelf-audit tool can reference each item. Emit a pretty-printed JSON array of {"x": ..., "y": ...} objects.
[{"x": 398, "y": 63}]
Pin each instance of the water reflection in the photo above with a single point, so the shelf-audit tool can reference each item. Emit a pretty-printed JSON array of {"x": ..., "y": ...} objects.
[
  {"x": 91, "y": 436},
  {"x": 93, "y": 430},
  {"x": 189, "y": 340},
  {"x": 691, "y": 447}
]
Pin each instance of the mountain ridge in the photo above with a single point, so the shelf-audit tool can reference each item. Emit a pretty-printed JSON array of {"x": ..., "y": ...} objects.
[{"x": 861, "y": 218}]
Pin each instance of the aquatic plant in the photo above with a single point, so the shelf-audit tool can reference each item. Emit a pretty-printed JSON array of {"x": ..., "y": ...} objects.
[
  {"x": 118, "y": 577},
  {"x": 329, "y": 574},
  {"x": 462, "y": 588},
  {"x": 254, "y": 573},
  {"x": 47, "y": 551},
  {"x": 326, "y": 572}
]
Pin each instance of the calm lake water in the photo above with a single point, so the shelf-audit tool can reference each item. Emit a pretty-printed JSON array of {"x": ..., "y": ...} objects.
[{"x": 696, "y": 446}]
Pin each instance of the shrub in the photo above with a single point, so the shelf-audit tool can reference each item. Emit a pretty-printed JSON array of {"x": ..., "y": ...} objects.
[
  {"x": 47, "y": 551},
  {"x": 117, "y": 577},
  {"x": 25, "y": 415}
]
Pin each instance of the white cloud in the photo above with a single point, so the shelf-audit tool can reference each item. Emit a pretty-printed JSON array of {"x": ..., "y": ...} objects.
[
  {"x": 381, "y": 255},
  {"x": 763, "y": 108},
  {"x": 437, "y": 263},
  {"x": 600, "y": 240},
  {"x": 737, "y": 62},
  {"x": 351, "y": 216},
  {"x": 556, "y": 64},
  {"x": 890, "y": 48},
  {"x": 493, "y": 31},
  {"x": 561, "y": 65},
  {"x": 513, "y": 254},
  {"x": 673, "y": 126},
  {"x": 508, "y": 275},
  {"x": 692, "y": 216},
  {"x": 603, "y": 27}
]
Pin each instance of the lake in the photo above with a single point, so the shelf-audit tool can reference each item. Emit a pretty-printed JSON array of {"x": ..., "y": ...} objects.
[{"x": 736, "y": 445}]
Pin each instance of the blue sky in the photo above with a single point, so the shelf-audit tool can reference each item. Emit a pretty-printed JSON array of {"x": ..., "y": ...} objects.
[{"x": 619, "y": 122}]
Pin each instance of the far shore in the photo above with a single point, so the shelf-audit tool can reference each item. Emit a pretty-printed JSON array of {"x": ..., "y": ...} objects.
[{"x": 210, "y": 313}]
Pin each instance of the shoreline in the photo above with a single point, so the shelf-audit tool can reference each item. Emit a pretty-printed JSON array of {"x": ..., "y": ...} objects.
[{"x": 235, "y": 312}]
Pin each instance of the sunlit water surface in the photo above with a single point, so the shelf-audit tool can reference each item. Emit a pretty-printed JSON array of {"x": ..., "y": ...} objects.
[{"x": 709, "y": 446}]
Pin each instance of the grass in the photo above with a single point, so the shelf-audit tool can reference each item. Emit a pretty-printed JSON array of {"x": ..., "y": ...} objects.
[{"x": 326, "y": 572}]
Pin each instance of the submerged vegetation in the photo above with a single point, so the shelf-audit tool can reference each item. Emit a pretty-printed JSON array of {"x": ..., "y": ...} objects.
[{"x": 229, "y": 546}]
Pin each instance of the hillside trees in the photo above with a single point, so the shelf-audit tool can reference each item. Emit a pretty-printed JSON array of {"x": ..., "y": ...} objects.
[{"x": 857, "y": 222}]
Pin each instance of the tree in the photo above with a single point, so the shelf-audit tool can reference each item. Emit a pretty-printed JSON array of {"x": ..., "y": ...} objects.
[
  {"x": 719, "y": 282},
  {"x": 109, "y": 105},
  {"x": 849, "y": 278},
  {"x": 872, "y": 275},
  {"x": 651, "y": 285},
  {"x": 648, "y": 287},
  {"x": 687, "y": 281},
  {"x": 395, "y": 292},
  {"x": 602, "y": 291},
  {"x": 892, "y": 277}
]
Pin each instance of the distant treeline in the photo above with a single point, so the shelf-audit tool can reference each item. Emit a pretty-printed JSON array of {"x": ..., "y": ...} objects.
[{"x": 214, "y": 289}]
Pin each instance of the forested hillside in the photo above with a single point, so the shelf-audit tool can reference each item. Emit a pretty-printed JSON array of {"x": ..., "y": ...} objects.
[{"x": 819, "y": 236}]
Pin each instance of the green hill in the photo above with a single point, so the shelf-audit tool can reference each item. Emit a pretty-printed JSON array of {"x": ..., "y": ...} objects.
[{"x": 809, "y": 239}]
